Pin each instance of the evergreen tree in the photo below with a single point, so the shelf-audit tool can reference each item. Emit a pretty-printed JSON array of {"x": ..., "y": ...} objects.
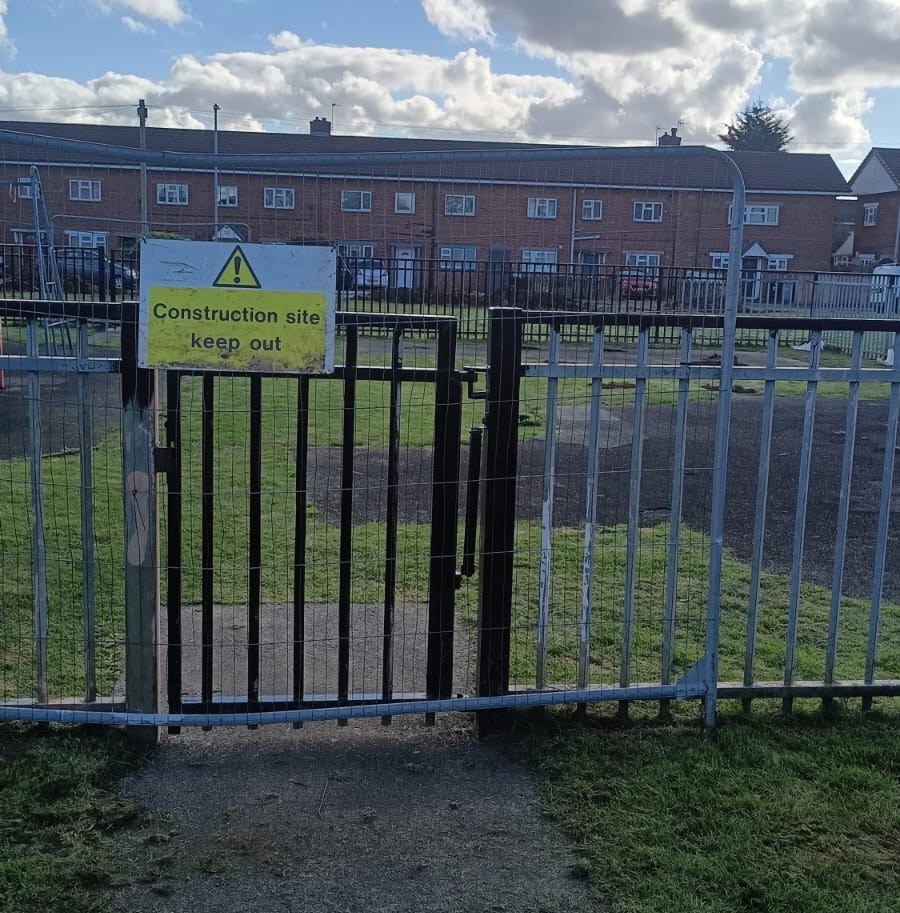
[{"x": 757, "y": 129}]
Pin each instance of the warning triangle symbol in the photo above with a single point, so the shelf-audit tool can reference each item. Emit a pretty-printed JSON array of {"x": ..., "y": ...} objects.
[{"x": 237, "y": 272}]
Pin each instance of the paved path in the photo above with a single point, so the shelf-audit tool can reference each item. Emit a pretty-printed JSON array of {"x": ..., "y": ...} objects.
[{"x": 403, "y": 819}]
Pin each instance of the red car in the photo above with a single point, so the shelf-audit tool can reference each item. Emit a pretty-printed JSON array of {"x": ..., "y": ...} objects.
[{"x": 639, "y": 285}]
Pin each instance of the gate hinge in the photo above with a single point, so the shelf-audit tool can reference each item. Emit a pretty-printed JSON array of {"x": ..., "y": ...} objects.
[{"x": 163, "y": 459}]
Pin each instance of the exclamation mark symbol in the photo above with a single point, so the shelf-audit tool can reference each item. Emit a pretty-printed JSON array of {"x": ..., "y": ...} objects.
[{"x": 237, "y": 270}]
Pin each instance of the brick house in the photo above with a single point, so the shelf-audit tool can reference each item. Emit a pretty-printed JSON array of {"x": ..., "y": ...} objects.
[
  {"x": 535, "y": 213},
  {"x": 876, "y": 184}
]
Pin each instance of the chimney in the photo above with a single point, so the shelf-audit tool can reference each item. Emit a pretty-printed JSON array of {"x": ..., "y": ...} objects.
[
  {"x": 321, "y": 126},
  {"x": 670, "y": 139}
]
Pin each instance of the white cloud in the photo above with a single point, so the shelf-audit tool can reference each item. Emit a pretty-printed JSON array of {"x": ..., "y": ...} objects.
[
  {"x": 626, "y": 68},
  {"x": 459, "y": 18},
  {"x": 169, "y": 12},
  {"x": 5, "y": 41},
  {"x": 136, "y": 26},
  {"x": 637, "y": 64}
]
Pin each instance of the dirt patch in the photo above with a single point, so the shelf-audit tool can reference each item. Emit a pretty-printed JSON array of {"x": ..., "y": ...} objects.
[
  {"x": 405, "y": 819},
  {"x": 656, "y": 481}
]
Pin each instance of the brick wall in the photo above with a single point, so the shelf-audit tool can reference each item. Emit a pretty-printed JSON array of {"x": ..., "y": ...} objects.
[{"x": 694, "y": 223}]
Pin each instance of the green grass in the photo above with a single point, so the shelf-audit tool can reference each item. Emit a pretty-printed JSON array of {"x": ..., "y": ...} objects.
[
  {"x": 646, "y": 651},
  {"x": 762, "y": 815},
  {"x": 62, "y": 506},
  {"x": 58, "y": 817}
]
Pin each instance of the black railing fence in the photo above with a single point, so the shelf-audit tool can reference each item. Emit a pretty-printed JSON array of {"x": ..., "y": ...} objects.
[{"x": 465, "y": 289}]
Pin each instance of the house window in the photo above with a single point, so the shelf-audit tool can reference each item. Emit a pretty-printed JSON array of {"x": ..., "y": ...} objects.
[
  {"x": 24, "y": 188},
  {"x": 648, "y": 212},
  {"x": 459, "y": 204},
  {"x": 870, "y": 214},
  {"x": 538, "y": 260},
  {"x": 278, "y": 198},
  {"x": 459, "y": 258},
  {"x": 227, "y": 195},
  {"x": 865, "y": 259},
  {"x": 719, "y": 261},
  {"x": 592, "y": 210},
  {"x": 590, "y": 260},
  {"x": 355, "y": 249},
  {"x": 541, "y": 208},
  {"x": 758, "y": 215},
  {"x": 645, "y": 260},
  {"x": 86, "y": 191},
  {"x": 172, "y": 194},
  {"x": 778, "y": 263},
  {"x": 405, "y": 203},
  {"x": 27, "y": 236},
  {"x": 356, "y": 201},
  {"x": 86, "y": 238}
]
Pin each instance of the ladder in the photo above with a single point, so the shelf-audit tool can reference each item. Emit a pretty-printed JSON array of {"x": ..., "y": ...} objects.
[{"x": 57, "y": 333}]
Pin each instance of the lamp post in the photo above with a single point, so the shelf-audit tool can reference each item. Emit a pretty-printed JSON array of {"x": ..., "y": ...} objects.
[{"x": 215, "y": 173}]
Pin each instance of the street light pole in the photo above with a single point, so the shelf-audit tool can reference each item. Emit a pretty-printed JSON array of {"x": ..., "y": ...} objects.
[
  {"x": 142, "y": 122},
  {"x": 215, "y": 173}
]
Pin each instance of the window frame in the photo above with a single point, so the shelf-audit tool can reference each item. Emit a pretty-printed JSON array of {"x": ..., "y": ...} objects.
[
  {"x": 223, "y": 189},
  {"x": 530, "y": 263},
  {"x": 540, "y": 207},
  {"x": 345, "y": 249},
  {"x": 466, "y": 263},
  {"x": 92, "y": 236},
  {"x": 365, "y": 201},
  {"x": 163, "y": 190},
  {"x": 21, "y": 236},
  {"x": 655, "y": 206},
  {"x": 631, "y": 260},
  {"x": 77, "y": 185},
  {"x": 275, "y": 193},
  {"x": 594, "y": 205},
  {"x": 774, "y": 261},
  {"x": 601, "y": 256},
  {"x": 870, "y": 215},
  {"x": 411, "y": 211},
  {"x": 768, "y": 208},
  {"x": 465, "y": 198}
]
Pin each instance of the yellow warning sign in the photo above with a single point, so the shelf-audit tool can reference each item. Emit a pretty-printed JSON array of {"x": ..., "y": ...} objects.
[
  {"x": 236, "y": 330},
  {"x": 237, "y": 272}
]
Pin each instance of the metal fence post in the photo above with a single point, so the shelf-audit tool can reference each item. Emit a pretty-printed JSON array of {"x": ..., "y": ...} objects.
[
  {"x": 720, "y": 461},
  {"x": 141, "y": 532},
  {"x": 498, "y": 510}
]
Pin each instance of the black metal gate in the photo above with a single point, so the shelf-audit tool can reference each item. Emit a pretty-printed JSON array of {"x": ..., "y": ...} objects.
[{"x": 208, "y": 636}]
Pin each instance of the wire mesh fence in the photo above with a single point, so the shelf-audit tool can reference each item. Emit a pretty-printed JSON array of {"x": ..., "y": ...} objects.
[{"x": 318, "y": 552}]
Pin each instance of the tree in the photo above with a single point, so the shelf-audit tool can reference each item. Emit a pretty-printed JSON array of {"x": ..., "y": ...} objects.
[{"x": 757, "y": 129}]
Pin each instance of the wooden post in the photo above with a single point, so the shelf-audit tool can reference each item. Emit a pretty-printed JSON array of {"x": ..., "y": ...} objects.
[{"x": 141, "y": 532}]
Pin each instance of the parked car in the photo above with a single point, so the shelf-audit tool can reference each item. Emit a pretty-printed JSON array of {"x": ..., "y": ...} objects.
[
  {"x": 639, "y": 285},
  {"x": 369, "y": 273},
  {"x": 80, "y": 268},
  {"x": 345, "y": 280}
]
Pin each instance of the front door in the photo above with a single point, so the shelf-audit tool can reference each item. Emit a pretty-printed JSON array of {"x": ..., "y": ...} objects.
[
  {"x": 404, "y": 266},
  {"x": 751, "y": 274},
  {"x": 499, "y": 269}
]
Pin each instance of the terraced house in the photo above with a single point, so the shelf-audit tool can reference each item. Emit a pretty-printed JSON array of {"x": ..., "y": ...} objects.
[
  {"x": 534, "y": 212},
  {"x": 876, "y": 184}
]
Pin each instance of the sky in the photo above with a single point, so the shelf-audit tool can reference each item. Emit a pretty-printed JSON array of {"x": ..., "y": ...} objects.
[{"x": 608, "y": 72}]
